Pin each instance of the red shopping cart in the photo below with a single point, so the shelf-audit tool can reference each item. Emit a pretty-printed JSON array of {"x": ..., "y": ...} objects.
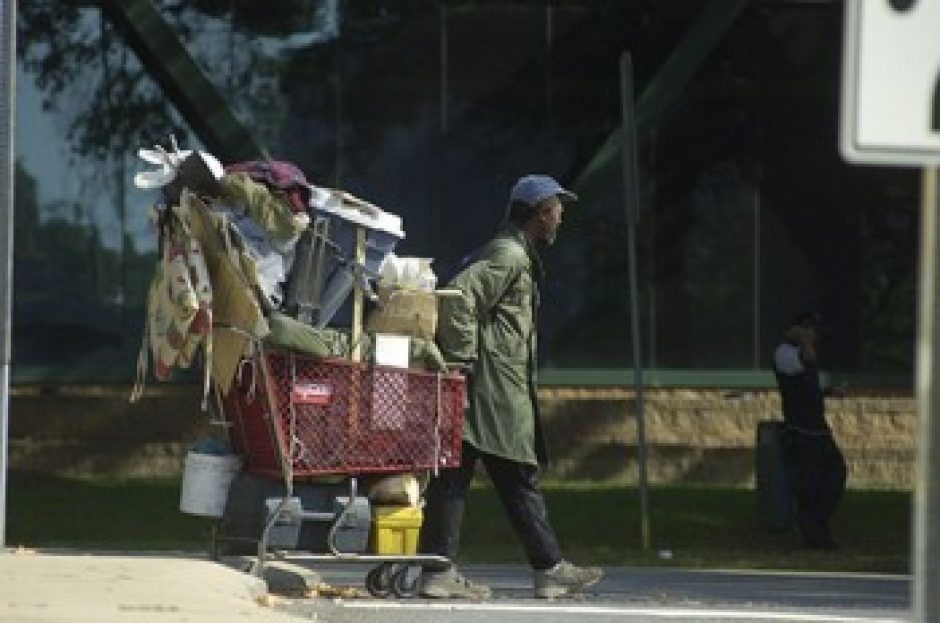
[{"x": 293, "y": 417}]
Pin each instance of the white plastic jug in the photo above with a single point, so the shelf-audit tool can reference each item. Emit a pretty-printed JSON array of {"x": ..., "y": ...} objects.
[{"x": 413, "y": 273}]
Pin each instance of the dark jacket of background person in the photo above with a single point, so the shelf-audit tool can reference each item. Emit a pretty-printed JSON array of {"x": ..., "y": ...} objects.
[
  {"x": 815, "y": 465},
  {"x": 801, "y": 394}
]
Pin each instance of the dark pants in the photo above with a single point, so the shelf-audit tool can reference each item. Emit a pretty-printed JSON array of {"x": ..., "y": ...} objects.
[
  {"x": 517, "y": 486},
  {"x": 817, "y": 471}
]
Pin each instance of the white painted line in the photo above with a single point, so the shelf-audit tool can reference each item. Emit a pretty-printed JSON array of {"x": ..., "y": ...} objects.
[
  {"x": 809, "y": 574},
  {"x": 662, "y": 613}
]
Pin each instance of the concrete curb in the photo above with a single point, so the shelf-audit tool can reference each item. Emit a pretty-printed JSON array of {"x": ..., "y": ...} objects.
[{"x": 60, "y": 588}]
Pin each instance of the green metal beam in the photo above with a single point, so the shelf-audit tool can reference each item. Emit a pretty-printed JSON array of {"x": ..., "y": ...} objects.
[
  {"x": 662, "y": 378},
  {"x": 710, "y": 378},
  {"x": 665, "y": 87},
  {"x": 7, "y": 166},
  {"x": 165, "y": 58}
]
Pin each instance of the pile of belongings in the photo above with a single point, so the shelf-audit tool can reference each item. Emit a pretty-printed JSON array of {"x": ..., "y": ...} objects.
[{"x": 241, "y": 252}]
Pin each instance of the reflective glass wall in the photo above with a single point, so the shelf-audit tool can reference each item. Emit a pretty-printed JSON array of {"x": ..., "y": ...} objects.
[
  {"x": 431, "y": 110},
  {"x": 83, "y": 251}
]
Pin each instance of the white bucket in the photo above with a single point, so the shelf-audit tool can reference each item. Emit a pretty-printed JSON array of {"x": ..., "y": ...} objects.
[{"x": 206, "y": 481}]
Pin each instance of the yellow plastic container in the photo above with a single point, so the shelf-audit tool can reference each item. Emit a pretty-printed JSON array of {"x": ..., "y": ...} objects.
[{"x": 395, "y": 529}]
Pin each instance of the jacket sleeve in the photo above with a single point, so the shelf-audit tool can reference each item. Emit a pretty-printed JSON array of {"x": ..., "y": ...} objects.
[{"x": 459, "y": 317}]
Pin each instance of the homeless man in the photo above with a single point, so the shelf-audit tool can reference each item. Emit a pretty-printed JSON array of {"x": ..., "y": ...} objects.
[{"x": 491, "y": 330}]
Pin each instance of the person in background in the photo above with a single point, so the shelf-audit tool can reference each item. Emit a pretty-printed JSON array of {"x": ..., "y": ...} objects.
[
  {"x": 815, "y": 465},
  {"x": 490, "y": 330}
]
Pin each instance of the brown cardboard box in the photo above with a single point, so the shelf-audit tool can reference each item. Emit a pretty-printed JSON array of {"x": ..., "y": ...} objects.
[{"x": 404, "y": 312}]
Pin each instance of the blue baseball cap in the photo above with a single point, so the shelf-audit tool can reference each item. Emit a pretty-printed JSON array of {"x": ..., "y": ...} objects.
[{"x": 531, "y": 189}]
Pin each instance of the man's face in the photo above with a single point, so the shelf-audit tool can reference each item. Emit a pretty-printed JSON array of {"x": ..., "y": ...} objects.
[
  {"x": 549, "y": 219},
  {"x": 802, "y": 333}
]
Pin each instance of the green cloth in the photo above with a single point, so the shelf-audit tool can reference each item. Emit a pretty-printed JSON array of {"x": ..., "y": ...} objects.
[
  {"x": 492, "y": 328},
  {"x": 264, "y": 207},
  {"x": 290, "y": 334}
]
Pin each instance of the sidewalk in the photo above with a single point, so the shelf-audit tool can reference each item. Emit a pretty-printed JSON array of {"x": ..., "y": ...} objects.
[
  {"x": 67, "y": 588},
  {"x": 76, "y": 587}
]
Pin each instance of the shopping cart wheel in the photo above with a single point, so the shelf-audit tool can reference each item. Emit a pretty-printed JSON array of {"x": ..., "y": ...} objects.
[
  {"x": 379, "y": 580},
  {"x": 405, "y": 580}
]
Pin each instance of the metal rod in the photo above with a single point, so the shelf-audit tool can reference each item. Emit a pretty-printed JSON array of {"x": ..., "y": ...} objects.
[
  {"x": 257, "y": 568},
  {"x": 755, "y": 335},
  {"x": 425, "y": 560},
  {"x": 358, "y": 276},
  {"x": 632, "y": 206},
  {"x": 926, "y": 542},
  {"x": 442, "y": 50},
  {"x": 7, "y": 159},
  {"x": 287, "y": 465},
  {"x": 341, "y": 517}
]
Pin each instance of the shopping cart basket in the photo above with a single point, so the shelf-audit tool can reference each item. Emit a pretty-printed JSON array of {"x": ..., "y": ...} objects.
[{"x": 292, "y": 417}]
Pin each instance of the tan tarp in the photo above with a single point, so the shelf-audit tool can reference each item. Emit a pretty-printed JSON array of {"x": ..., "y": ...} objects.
[
  {"x": 404, "y": 312},
  {"x": 237, "y": 315}
]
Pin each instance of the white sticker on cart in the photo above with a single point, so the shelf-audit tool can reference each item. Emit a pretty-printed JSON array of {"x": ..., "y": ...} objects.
[{"x": 312, "y": 393}]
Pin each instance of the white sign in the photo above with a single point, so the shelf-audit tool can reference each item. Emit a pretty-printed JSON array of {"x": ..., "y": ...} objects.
[{"x": 891, "y": 82}]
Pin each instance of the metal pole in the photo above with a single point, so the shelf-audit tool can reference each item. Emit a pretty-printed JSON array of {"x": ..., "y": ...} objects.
[
  {"x": 442, "y": 51},
  {"x": 7, "y": 116},
  {"x": 632, "y": 206},
  {"x": 755, "y": 311},
  {"x": 926, "y": 544}
]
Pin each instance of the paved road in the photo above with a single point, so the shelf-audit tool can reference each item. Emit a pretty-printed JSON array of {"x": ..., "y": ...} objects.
[
  {"x": 635, "y": 594},
  {"x": 56, "y": 587}
]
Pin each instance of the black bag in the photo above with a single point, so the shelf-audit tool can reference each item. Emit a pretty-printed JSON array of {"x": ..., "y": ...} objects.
[
  {"x": 775, "y": 503},
  {"x": 193, "y": 174}
]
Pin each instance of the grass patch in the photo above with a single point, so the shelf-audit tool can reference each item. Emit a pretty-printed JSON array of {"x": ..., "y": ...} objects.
[
  {"x": 700, "y": 526},
  {"x": 599, "y": 524},
  {"x": 136, "y": 514}
]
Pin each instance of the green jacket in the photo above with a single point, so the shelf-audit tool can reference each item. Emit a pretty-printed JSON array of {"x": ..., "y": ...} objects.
[{"x": 492, "y": 329}]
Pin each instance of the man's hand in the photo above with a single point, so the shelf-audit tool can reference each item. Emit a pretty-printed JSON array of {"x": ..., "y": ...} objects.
[
  {"x": 805, "y": 338},
  {"x": 464, "y": 368}
]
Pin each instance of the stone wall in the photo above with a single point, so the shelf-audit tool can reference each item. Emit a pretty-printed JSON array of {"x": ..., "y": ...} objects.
[
  {"x": 95, "y": 430},
  {"x": 702, "y": 436},
  {"x": 708, "y": 436}
]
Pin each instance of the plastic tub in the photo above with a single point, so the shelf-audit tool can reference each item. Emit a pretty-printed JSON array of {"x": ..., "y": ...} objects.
[
  {"x": 395, "y": 529},
  {"x": 383, "y": 231}
]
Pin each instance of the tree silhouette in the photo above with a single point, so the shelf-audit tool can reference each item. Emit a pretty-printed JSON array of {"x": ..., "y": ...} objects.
[{"x": 89, "y": 77}]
